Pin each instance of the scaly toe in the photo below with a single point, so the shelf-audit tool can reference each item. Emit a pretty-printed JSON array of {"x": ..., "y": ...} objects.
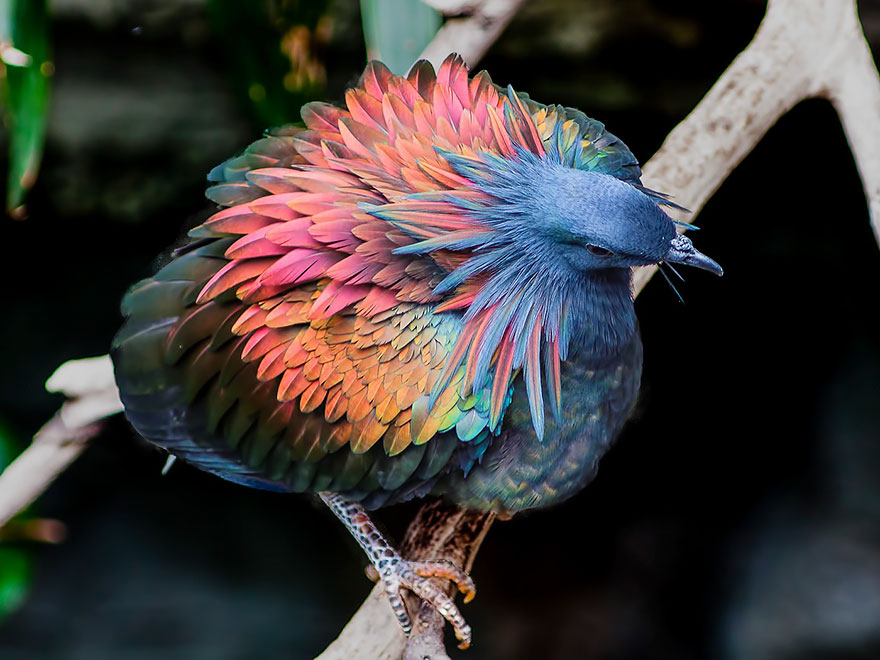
[
  {"x": 417, "y": 577},
  {"x": 448, "y": 571},
  {"x": 371, "y": 573}
]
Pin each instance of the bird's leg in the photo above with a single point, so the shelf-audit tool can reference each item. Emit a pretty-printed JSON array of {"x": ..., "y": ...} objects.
[{"x": 398, "y": 573}]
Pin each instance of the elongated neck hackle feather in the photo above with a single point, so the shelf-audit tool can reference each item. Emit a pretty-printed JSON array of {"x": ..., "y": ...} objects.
[
  {"x": 523, "y": 294},
  {"x": 443, "y": 191}
]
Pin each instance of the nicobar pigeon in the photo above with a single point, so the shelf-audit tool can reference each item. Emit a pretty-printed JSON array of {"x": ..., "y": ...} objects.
[{"x": 424, "y": 292}]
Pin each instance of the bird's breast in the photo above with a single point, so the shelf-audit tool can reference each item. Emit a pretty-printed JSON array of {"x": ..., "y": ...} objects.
[{"x": 518, "y": 472}]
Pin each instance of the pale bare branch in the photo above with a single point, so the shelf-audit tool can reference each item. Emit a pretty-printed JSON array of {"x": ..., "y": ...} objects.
[
  {"x": 92, "y": 395},
  {"x": 803, "y": 49},
  {"x": 90, "y": 389},
  {"x": 454, "y": 7},
  {"x": 54, "y": 447},
  {"x": 470, "y": 36},
  {"x": 854, "y": 89}
]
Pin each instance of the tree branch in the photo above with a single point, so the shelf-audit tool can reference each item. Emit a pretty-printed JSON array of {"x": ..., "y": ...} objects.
[
  {"x": 92, "y": 395},
  {"x": 853, "y": 87},
  {"x": 471, "y": 35},
  {"x": 803, "y": 49},
  {"x": 53, "y": 448}
]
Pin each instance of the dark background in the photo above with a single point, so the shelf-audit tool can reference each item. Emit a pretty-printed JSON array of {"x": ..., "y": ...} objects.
[{"x": 738, "y": 516}]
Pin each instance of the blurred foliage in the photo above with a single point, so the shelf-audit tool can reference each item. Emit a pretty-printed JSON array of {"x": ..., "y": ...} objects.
[
  {"x": 15, "y": 577},
  {"x": 278, "y": 75},
  {"x": 25, "y": 70},
  {"x": 15, "y": 564},
  {"x": 397, "y": 31},
  {"x": 8, "y": 449}
]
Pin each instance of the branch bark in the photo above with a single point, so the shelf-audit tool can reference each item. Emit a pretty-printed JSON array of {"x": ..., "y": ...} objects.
[
  {"x": 53, "y": 448},
  {"x": 92, "y": 395},
  {"x": 471, "y": 35},
  {"x": 802, "y": 49}
]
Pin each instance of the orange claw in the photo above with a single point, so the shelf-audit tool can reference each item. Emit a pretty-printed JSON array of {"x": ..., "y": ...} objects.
[
  {"x": 437, "y": 597},
  {"x": 448, "y": 571}
]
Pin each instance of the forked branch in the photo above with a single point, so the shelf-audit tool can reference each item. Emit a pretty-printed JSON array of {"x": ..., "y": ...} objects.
[
  {"x": 803, "y": 49},
  {"x": 472, "y": 26}
]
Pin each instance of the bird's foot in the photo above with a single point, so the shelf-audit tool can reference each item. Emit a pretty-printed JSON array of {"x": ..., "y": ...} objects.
[{"x": 398, "y": 574}]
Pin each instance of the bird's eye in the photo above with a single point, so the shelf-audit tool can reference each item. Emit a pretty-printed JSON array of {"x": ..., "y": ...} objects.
[{"x": 597, "y": 251}]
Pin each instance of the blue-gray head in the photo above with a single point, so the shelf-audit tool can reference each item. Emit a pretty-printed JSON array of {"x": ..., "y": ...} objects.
[
  {"x": 576, "y": 220},
  {"x": 554, "y": 242}
]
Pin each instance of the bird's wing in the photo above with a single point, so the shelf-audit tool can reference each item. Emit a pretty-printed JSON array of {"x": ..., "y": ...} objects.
[{"x": 297, "y": 323}]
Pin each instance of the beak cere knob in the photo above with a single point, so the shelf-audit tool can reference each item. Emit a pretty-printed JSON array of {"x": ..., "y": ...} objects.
[{"x": 682, "y": 251}]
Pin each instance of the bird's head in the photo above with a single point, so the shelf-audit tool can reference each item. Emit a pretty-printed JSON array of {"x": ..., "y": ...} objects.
[
  {"x": 598, "y": 221},
  {"x": 575, "y": 219}
]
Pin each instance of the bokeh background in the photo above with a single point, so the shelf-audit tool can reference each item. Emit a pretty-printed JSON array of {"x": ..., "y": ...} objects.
[{"x": 738, "y": 517}]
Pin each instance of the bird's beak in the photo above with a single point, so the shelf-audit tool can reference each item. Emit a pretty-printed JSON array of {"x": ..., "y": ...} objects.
[{"x": 682, "y": 251}]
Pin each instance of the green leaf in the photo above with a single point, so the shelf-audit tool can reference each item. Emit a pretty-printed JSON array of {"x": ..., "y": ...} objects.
[
  {"x": 397, "y": 31},
  {"x": 15, "y": 578},
  {"x": 15, "y": 564},
  {"x": 25, "y": 69},
  {"x": 8, "y": 447}
]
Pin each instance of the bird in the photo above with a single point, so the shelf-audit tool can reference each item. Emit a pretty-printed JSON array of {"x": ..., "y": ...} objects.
[{"x": 425, "y": 291}]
